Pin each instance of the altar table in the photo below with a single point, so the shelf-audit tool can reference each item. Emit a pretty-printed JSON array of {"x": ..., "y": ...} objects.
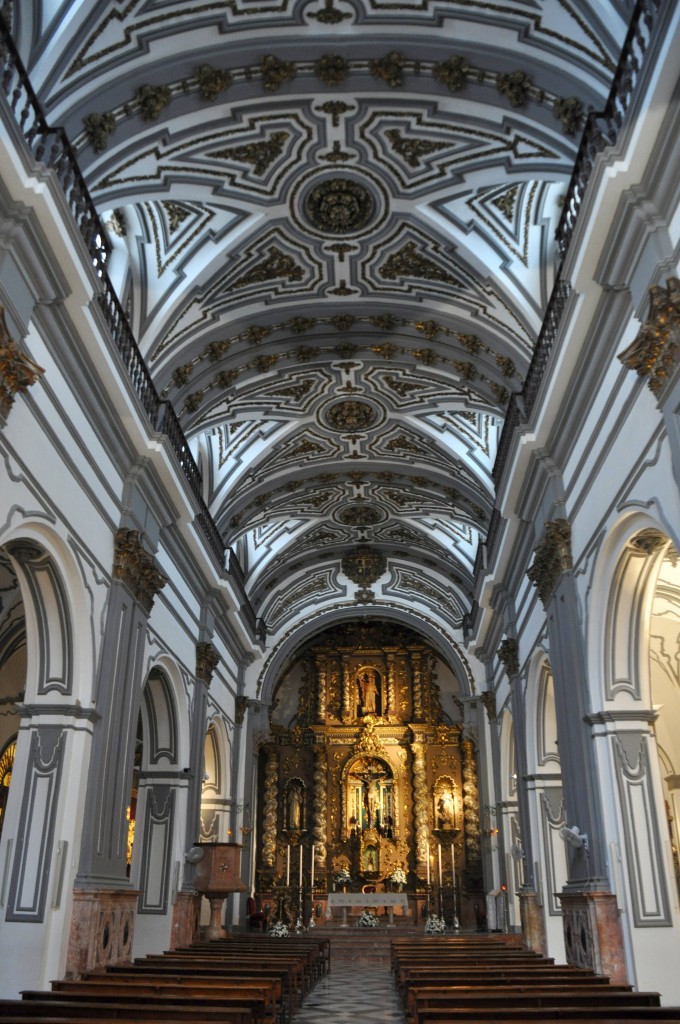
[{"x": 366, "y": 899}]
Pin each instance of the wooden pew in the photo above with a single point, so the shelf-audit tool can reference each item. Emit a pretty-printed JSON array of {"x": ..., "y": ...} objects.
[{"x": 31, "y": 1010}]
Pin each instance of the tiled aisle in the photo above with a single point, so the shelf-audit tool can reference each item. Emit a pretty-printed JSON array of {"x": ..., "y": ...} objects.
[{"x": 353, "y": 993}]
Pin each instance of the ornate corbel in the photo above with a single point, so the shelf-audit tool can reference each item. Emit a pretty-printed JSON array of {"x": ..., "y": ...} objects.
[
  {"x": 508, "y": 654},
  {"x": 552, "y": 557},
  {"x": 17, "y": 371},
  {"x": 136, "y": 568},
  {"x": 656, "y": 348},
  {"x": 240, "y": 709},
  {"x": 207, "y": 660}
]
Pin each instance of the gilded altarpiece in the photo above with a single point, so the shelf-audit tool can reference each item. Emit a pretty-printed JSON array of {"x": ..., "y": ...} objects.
[{"x": 369, "y": 775}]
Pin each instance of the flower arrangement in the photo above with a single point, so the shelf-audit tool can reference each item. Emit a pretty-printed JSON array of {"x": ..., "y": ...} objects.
[
  {"x": 435, "y": 925},
  {"x": 279, "y": 930},
  {"x": 368, "y": 920},
  {"x": 398, "y": 876},
  {"x": 343, "y": 877}
]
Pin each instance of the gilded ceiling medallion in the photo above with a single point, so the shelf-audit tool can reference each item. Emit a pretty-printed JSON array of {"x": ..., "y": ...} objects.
[
  {"x": 359, "y": 515},
  {"x": 350, "y": 415},
  {"x": 339, "y": 206},
  {"x": 364, "y": 565}
]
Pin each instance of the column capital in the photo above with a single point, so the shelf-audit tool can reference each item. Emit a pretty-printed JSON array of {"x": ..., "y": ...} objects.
[
  {"x": 508, "y": 654},
  {"x": 552, "y": 557},
  {"x": 207, "y": 660},
  {"x": 136, "y": 568}
]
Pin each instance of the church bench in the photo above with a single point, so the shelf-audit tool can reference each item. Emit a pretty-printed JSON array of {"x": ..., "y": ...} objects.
[
  {"x": 316, "y": 952},
  {"x": 290, "y": 992},
  {"x": 563, "y": 1015},
  {"x": 210, "y": 990},
  {"x": 79, "y": 1009},
  {"x": 311, "y": 960},
  {"x": 258, "y": 999},
  {"x": 451, "y": 976},
  {"x": 492, "y": 1004},
  {"x": 301, "y": 974}
]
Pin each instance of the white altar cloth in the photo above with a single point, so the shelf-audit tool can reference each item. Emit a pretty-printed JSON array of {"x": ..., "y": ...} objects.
[{"x": 366, "y": 899}]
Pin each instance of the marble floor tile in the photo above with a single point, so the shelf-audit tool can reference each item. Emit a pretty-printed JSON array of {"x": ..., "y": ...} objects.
[{"x": 353, "y": 994}]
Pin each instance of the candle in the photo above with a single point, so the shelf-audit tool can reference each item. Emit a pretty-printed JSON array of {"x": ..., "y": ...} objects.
[
  {"x": 300, "y": 867},
  {"x": 312, "y": 882},
  {"x": 453, "y": 867},
  {"x": 439, "y": 855},
  {"x": 288, "y": 866},
  {"x": 428, "y": 863}
]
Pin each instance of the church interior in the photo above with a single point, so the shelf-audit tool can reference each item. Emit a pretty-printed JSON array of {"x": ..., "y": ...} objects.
[{"x": 339, "y": 476}]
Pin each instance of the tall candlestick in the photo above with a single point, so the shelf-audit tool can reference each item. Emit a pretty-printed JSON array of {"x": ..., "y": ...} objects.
[
  {"x": 288, "y": 865},
  {"x": 428, "y": 863},
  {"x": 453, "y": 867},
  {"x": 300, "y": 866},
  {"x": 439, "y": 855},
  {"x": 312, "y": 882}
]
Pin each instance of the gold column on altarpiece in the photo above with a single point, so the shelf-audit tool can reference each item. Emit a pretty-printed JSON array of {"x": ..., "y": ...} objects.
[
  {"x": 271, "y": 787},
  {"x": 347, "y": 703},
  {"x": 321, "y": 689},
  {"x": 420, "y": 802},
  {"x": 391, "y": 687},
  {"x": 320, "y": 803},
  {"x": 471, "y": 802},
  {"x": 417, "y": 669}
]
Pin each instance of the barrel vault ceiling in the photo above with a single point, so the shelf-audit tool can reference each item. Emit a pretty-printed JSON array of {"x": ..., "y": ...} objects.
[{"x": 333, "y": 230}]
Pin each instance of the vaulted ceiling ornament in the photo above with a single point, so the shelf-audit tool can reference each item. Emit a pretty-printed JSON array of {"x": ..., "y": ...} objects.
[{"x": 364, "y": 565}]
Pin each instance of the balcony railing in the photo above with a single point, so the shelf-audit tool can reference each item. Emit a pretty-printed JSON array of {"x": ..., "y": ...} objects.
[{"x": 50, "y": 147}]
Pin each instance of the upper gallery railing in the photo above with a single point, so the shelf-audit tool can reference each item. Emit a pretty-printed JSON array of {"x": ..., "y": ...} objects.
[
  {"x": 51, "y": 147},
  {"x": 601, "y": 130}
]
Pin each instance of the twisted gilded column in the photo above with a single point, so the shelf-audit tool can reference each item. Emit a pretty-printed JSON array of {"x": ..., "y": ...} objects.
[
  {"x": 321, "y": 689},
  {"x": 470, "y": 802},
  {"x": 346, "y": 692},
  {"x": 320, "y": 826},
  {"x": 271, "y": 787},
  {"x": 417, "y": 666},
  {"x": 391, "y": 702},
  {"x": 420, "y": 802}
]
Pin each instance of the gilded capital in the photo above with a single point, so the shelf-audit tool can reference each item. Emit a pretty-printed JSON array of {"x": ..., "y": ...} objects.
[
  {"x": 136, "y": 568},
  {"x": 240, "y": 710},
  {"x": 207, "y": 660},
  {"x": 508, "y": 653},
  {"x": 552, "y": 557},
  {"x": 17, "y": 371},
  {"x": 656, "y": 348}
]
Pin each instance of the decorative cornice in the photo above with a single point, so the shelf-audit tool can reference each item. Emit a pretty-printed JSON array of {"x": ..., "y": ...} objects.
[
  {"x": 136, "y": 568},
  {"x": 17, "y": 371},
  {"x": 654, "y": 352},
  {"x": 552, "y": 557},
  {"x": 508, "y": 654},
  {"x": 207, "y": 660}
]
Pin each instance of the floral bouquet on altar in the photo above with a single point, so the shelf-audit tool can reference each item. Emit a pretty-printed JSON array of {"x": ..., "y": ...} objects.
[
  {"x": 368, "y": 920},
  {"x": 279, "y": 930},
  {"x": 398, "y": 876},
  {"x": 343, "y": 877},
  {"x": 435, "y": 925}
]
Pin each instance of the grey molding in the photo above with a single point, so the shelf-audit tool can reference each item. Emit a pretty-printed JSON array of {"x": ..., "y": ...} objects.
[
  {"x": 29, "y": 883},
  {"x": 551, "y": 814},
  {"x": 644, "y": 854},
  {"x": 161, "y": 718},
  {"x": 159, "y": 820},
  {"x": 605, "y": 717},
  {"x": 30, "y": 711}
]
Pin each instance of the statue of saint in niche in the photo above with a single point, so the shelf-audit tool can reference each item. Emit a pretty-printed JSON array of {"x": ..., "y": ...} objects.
[
  {"x": 369, "y": 692},
  {"x": 446, "y": 814},
  {"x": 294, "y": 806}
]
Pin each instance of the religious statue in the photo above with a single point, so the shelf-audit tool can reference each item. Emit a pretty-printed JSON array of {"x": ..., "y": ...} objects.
[
  {"x": 294, "y": 806},
  {"x": 369, "y": 692},
  {"x": 445, "y": 810}
]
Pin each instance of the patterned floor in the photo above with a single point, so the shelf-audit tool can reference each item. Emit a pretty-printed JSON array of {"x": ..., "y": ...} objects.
[{"x": 353, "y": 994}]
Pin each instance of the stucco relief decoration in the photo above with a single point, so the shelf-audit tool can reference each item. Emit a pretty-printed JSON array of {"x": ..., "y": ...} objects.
[
  {"x": 552, "y": 557},
  {"x": 339, "y": 206},
  {"x": 359, "y": 515},
  {"x": 17, "y": 371},
  {"x": 364, "y": 566},
  {"x": 350, "y": 415},
  {"x": 654, "y": 352},
  {"x": 136, "y": 568}
]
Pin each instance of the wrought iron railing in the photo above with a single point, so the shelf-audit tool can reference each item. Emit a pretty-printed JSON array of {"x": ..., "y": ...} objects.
[
  {"x": 602, "y": 130},
  {"x": 50, "y": 146}
]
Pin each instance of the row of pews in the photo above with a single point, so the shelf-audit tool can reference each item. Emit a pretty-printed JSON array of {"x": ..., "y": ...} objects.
[
  {"x": 477, "y": 980},
  {"x": 239, "y": 980}
]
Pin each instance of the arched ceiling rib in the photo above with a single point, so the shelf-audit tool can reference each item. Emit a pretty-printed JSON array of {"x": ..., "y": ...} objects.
[{"x": 333, "y": 228}]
